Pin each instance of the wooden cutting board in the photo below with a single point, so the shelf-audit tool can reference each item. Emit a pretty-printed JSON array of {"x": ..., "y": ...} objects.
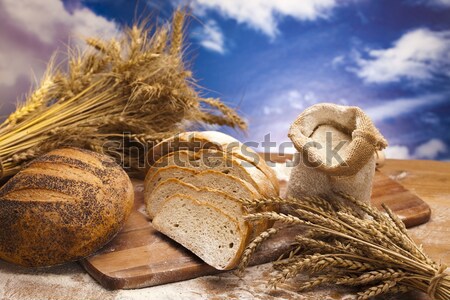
[{"x": 139, "y": 256}]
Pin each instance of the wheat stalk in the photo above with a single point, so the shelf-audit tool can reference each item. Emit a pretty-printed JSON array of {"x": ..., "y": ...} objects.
[
  {"x": 119, "y": 97},
  {"x": 342, "y": 246}
]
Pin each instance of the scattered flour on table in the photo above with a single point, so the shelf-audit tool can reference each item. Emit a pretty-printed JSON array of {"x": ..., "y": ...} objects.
[
  {"x": 228, "y": 286},
  {"x": 283, "y": 170},
  {"x": 68, "y": 281},
  {"x": 142, "y": 210}
]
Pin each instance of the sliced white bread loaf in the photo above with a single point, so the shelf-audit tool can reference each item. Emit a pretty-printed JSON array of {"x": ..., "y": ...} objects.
[
  {"x": 228, "y": 204},
  {"x": 197, "y": 140},
  {"x": 222, "y": 201},
  {"x": 192, "y": 193},
  {"x": 213, "y": 159},
  {"x": 205, "y": 230},
  {"x": 228, "y": 184}
]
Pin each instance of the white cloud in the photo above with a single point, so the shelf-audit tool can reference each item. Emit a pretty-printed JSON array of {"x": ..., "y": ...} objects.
[
  {"x": 397, "y": 152},
  {"x": 439, "y": 2},
  {"x": 302, "y": 100},
  {"x": 418, "y": 55},
  {"x": 337, "y": 61},
  {"x": 272, "y": 110},
  {"x": 342, "y": 101},
  {"x": 45, "y": 18},
  {"x": 281, "y": 106},
  {"x": 432, "y": 3},
  {"x": 289, "y": 101},
  {"x": 211, "y": 37},
  {"x": 32, "y": 30},
  {"x": 295, "y": 99},
  {"x": 430, "y": 149},
  {"x": 264, "y": 15},
  {"x": 397, "y": 107},
  {"x": 430, "y": 118}
]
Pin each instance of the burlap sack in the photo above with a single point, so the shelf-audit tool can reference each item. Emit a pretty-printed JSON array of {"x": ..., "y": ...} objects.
[{"x": 336, "y": 152}]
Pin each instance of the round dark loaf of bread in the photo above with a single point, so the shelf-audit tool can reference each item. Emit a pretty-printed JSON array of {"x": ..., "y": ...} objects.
[{"x": 63, "y": 206}]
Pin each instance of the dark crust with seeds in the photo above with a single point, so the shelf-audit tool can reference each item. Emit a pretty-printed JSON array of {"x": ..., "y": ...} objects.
[{"x": 89, "y": 213}]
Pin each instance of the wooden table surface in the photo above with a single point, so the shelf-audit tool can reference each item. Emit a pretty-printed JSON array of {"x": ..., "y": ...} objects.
[{"x": 430, "y": 180}]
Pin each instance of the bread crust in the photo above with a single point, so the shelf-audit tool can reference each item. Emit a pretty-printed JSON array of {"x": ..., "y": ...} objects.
[
  {"x": 254, "y": 175},
  {"x": 213, "y": 139},
  {"x": 252, "y": 229},
  {"x": 63, "y": 206},
  {"x": 255, "y": 227},
  {"x": 233, "y": 262},
  {"x": 193, "y": 188},
  {"x": 150, "y": 184},
  {"x": 244, "y": 225},
  {"x": 187, "y": 158}
]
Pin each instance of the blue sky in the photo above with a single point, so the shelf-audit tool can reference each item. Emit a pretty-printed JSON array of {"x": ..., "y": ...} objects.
[{"x": 272, "y": 59}]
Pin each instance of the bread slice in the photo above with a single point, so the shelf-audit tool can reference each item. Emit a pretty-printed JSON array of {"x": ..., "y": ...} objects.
[
  {"x": 209, "y": 233},
  {"x": 196, "y": 140},
  {"x": 172, "y": 186},
  {"x": 228, "y": 184},
  {"x": 228, "y": 204},
  {"x": 217, "y": 160}
]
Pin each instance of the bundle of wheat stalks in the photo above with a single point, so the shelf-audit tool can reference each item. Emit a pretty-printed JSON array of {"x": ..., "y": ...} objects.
[
  {"x": 349, "y": 243},
  {"x": 117, "y": 97}
]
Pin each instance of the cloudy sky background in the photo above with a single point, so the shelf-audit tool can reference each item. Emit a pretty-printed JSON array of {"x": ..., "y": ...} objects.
[{"x": 273, "y": 58}]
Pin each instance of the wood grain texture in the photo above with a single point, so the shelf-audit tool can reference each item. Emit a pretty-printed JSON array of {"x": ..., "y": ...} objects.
[
  {"x": 428, "y": 179},
  {"x": 140, "y": 256}
]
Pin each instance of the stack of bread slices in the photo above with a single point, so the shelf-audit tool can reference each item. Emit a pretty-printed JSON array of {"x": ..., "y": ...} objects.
[{"x": 193, "y": 190}]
